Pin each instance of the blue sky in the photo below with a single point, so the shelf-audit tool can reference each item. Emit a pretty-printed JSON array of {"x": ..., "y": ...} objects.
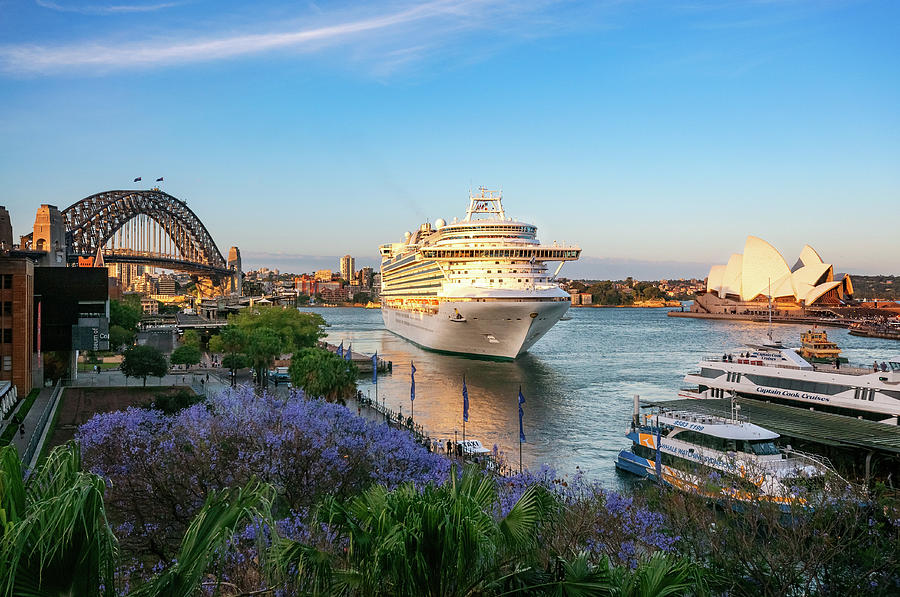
[{"x": 655, "y": 134}]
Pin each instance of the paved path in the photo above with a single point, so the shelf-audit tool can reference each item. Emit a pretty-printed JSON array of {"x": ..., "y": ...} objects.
[{"x": 20, "y": 441}]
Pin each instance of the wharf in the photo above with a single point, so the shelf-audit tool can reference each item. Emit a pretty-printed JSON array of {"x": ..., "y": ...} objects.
[
  {"x": 362, "y": 360},
  {"x": 820, "y": 321},
  {"x": 857, "y": 447}
]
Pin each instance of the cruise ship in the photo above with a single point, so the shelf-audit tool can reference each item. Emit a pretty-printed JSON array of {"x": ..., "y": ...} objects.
[
  {"x": 776, "y": 373},
  {"x": 480, "y": 286}
]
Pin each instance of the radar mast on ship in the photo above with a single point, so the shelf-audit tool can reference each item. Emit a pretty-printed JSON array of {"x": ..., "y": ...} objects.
[{"x": 487, "y": 202}]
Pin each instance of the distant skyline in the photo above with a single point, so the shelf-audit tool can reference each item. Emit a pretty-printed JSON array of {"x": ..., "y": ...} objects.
[{"x": 657, "y": 135}]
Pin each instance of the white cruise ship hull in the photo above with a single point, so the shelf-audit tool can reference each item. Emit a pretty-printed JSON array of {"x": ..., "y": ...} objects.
[{"x": 501, "y": 329}]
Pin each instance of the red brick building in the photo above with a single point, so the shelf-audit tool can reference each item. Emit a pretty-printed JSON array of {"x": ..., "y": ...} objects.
[{"x": 17, "y": 322}]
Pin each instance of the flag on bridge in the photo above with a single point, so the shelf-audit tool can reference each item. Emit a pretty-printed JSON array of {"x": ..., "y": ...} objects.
[
  {"x": 138, "y": 179},
  {"x": 412, "y": 382},
  {"x": 375, "y": 367},
  {"x": 160, "y": 179},
  {"x": 521, "y": 412},
  {"x": 465, "y": 401}
]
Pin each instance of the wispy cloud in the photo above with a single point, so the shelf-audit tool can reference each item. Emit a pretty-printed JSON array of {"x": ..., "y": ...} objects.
[
  {"x": 424, "y": 21},
  {"x": 99, "y": 9}
]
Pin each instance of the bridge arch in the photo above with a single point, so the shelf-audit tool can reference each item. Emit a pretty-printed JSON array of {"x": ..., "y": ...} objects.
[{"x": 92, "y": 222}]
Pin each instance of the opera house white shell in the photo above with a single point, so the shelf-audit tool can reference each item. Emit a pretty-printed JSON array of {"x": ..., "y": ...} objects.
[{"x": 762, "y": 273}]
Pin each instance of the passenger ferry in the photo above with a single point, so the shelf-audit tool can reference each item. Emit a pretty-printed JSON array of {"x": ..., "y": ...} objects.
[
  {"x": 815, "y": 347},
  {"x": 718, "y": 458},
  {"x": 480, "y": 286},
  {"x": 778, "y": 374}
]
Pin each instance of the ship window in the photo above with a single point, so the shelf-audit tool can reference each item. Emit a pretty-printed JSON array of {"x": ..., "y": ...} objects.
[
  {"x": 895, "y": 366},
  {"x": 763, "y": 448}
]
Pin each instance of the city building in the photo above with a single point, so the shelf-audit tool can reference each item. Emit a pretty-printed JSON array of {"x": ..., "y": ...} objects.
[
  {"x": 347, "y": 263},
  {"x": 166, "y": 284},
  {"x": 323, "y": 275},
  {"x": 17, "y": 323},
  {"x": 750, "y": 280},
  {"x": 306, "y": 284},
  {"x": 149, "y": 306}
]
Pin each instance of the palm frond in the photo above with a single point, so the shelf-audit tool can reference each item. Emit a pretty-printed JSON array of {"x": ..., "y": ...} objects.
[
  {"x": 60, "y": 543},
  {"x": 224, "y": 513}
]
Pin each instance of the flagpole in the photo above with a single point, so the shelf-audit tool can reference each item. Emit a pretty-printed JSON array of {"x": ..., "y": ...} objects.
[{"x": 520, "y": 454}]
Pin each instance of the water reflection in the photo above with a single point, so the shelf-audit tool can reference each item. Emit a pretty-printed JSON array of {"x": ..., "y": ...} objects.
[{"x": 578, "y": 380}]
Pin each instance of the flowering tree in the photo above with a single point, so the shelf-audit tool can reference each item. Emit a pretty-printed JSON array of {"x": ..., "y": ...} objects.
[{"x": 161, "y": 468}]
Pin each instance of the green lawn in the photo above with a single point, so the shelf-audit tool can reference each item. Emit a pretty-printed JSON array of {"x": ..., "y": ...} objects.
[
  {"x": 23, "y": 410},
  {"x": 103, "y": 366}
]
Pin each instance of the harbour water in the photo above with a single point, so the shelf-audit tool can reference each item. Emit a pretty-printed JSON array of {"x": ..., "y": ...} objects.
[{"x": 578, "y": 380}]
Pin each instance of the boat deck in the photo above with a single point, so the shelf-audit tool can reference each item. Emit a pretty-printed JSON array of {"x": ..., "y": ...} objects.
[{"x": 814, "y": 426}]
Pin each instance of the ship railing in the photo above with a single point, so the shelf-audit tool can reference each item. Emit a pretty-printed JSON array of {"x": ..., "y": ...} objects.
[{"x": 819, "y": 461}]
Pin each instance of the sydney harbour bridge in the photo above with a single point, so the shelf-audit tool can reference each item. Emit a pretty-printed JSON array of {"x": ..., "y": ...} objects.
[{"x": 150, "y": 228}]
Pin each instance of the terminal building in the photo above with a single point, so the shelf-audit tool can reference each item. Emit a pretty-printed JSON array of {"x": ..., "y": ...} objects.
[{"x": 747, "y": 283}]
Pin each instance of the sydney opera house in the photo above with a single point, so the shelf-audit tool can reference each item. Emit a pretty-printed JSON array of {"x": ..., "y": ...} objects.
[{"x": 745, "y": 285}]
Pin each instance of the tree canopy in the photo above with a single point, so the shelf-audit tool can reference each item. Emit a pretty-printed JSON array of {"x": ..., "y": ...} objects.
[
  {"x": 191, "y": 338},
  {"x": 124, "y": 317},
  {"x": 298, "y": 330},
  {"x": 186, "y": 354},
  {"x": 144, "y": 362},
  {"x": 263, "y": 334},
  {"x": 321, "y": 373}
]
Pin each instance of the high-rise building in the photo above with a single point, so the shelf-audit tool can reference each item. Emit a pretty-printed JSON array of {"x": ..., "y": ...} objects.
[
  {"x": 167, "y": 285},
  {"x": 347, "y": 264}
]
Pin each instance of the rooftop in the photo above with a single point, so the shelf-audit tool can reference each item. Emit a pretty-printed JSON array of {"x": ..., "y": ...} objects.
[{"x": 814, "y": 426}]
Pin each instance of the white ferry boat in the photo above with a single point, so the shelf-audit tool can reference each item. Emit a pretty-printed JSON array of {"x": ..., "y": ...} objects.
[
  {"x": 719, "y": 458},
  {"x": 480, "y": 286},
  {"x": 774, "y": 373}
]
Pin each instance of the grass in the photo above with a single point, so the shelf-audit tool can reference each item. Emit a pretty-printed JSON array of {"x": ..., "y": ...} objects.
[
  {"x": 23, "y": 411},
  {"x": 103, "y": 366}
]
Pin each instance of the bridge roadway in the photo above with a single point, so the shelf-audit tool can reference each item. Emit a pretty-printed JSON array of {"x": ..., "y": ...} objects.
[{"x": 156, "y": 260}]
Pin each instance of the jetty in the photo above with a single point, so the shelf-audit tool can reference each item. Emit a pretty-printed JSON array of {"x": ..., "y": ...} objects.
[{"x": 362, "y": 360}]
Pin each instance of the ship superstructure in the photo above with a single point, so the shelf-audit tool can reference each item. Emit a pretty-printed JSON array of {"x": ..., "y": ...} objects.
[
  {"x": 479, "y": 286},
  {"x": 778, "y": 374},
  {"x": 718, "y": 457}
]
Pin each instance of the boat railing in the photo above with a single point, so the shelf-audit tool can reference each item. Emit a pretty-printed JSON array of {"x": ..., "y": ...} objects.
[
  {"x": 847, "y": 368},
  {"x": 818, "y": 461}
]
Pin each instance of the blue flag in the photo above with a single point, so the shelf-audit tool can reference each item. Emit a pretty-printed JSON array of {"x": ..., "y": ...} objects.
[
  {"x": 465, "y": 401},
  {"x": 340, "y": 350},
  {"x": 412, "y": 382},
  {"x": 521, "y": 412},
  {"x": 658, "y": 455},
  {"x": 375, "y": 367},
  {"x": 347, "y": 354}
]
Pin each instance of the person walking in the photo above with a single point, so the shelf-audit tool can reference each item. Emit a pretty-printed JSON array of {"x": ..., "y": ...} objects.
[{"x": 22, "y": 430}]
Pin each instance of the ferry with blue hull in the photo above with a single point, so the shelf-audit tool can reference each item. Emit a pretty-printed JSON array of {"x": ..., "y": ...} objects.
[
  {"x": 478, "y": 287},
  {"x": 718, "y": 458}
]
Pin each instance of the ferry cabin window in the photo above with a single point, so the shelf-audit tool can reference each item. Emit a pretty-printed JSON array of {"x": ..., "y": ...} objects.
[
  {"x": 895, "y": 366},
  {"x": 762, "y": 448}
]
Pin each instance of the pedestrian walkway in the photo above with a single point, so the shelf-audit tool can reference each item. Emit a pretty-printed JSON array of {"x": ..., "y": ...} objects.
[{"x": 20, "y": 441}]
